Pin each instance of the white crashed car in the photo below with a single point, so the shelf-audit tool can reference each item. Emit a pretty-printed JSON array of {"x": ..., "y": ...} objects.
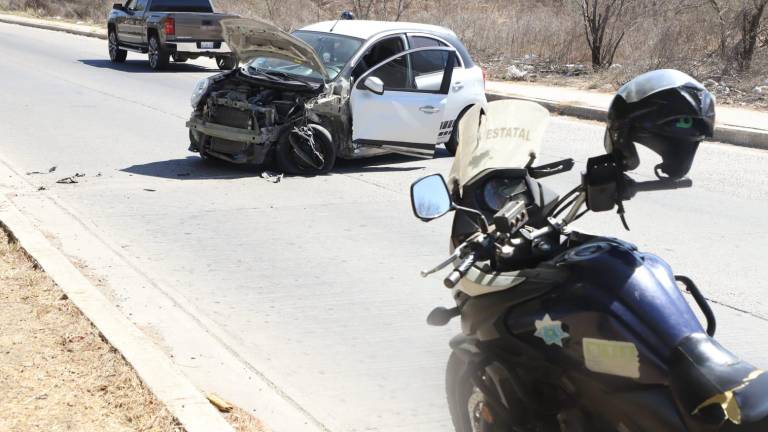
[{"x": 345, "y": 89}]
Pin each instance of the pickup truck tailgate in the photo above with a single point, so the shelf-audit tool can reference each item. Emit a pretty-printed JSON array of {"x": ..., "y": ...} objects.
[{"x": 199, "y": 26}]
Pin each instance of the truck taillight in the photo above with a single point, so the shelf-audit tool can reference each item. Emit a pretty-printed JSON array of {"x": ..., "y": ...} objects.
[{"x": 170, "y": 26}]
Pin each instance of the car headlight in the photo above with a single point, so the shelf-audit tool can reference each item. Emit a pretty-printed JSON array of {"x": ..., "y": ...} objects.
[{"x": 200, "y": 88}]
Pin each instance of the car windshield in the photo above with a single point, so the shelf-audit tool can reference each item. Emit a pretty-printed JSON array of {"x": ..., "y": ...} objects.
[{"x": 332, "y": 49}]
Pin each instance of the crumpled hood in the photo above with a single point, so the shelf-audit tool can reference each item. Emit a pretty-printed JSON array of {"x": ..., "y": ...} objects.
[{"x": 251, "y": 38}]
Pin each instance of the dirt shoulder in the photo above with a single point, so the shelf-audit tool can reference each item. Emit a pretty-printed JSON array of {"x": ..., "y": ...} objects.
[{"x": 56, "y": 373}]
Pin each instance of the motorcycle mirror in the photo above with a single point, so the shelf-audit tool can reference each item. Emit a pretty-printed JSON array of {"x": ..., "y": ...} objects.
[{"x": 430, "y": 198}]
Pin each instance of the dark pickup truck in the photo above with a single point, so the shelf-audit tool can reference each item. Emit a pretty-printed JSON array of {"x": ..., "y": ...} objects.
[{"x": 168, "y": 29}]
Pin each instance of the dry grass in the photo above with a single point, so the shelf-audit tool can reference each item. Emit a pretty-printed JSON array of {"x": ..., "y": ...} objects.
[{"x": 56, "y": 373}]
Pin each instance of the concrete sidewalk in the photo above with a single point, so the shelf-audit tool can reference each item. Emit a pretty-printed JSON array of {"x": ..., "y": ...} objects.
[
  {"x": 744, "y": 127},
  {"x": 82, "y": 29}
]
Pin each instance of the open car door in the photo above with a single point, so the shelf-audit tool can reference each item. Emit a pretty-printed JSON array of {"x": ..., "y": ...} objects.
[{"x": 399, "y": 104}]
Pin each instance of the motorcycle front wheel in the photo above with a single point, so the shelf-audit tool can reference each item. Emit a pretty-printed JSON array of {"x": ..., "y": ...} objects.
[{"x": 469, "y": 409}]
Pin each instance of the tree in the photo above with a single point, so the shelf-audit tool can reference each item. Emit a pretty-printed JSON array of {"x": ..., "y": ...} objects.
[
  {"x": 362, "y": 8},
  {"x": 740, "y": 38},
  {"x": 604, "y": 27}
]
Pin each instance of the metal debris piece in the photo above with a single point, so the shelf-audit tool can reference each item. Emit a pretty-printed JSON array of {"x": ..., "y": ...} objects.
[
  {"x": 219, "y": 403},
  {"x": 71, "y": 179},
  {"x": 42, "y": 188},
  {"x": 150, "y": 190},
  {"x": 50, "y": 170},
  {"x": 272, "y": 176}
]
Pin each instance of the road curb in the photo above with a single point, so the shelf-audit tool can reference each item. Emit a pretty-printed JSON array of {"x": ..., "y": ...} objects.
[
  {"x": 154, "y": 368},
  {"x": 735, "y": 135},
  {"x": 52, "y": 25}
]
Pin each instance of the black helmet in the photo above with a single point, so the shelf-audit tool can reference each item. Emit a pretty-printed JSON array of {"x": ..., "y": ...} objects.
[
  {"x": 347, "y": 15},
  {"x": 666, "y": 111}
]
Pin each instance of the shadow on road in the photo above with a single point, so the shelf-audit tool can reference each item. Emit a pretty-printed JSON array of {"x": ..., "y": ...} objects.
[
  {"x": 194, "y": 168},
  {"x": 142, "y": 66}
]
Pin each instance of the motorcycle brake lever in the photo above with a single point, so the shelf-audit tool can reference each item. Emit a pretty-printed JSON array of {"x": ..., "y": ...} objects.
[
  {"x": 442, "y": 265},
  {"x": 456, "y": 254}
]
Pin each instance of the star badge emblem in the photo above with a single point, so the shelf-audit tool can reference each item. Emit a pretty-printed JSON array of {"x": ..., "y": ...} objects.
[{"x": 551, "y": 332}]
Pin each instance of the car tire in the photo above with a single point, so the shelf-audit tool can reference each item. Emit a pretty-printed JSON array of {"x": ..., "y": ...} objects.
[
  {"x": 116, "y": 55},
  {"x": 226, "y": 62},
  {"x": 179, "y": 58},
  {"x": 158, "y": 55},
  {"x": 453, "y": 142},
  {"x": 290, "y": 161}
]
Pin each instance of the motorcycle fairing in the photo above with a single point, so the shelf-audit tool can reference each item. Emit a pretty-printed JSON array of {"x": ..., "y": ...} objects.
[{"x": 505, "y": 137}]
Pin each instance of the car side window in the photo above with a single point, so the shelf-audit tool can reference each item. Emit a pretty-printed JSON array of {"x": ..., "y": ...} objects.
[
  {"x": 426, "y": 74},
  {"x": 426, "y": 42},
  {"x": 139, "y": 5},
  {"x": 128, "y": 5},
  {"x": 377, "y": 53}
]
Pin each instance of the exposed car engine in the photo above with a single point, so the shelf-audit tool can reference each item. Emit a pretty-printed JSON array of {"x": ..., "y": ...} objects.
[{"x": 243, "y": 121}]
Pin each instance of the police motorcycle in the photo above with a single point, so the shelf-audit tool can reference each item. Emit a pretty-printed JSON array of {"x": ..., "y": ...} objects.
[{"x": 566, "y": 331}]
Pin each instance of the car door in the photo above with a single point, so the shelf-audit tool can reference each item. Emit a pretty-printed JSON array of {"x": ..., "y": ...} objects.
[
  {"x": 399, "y": 104},
  {"x": 458, "y": 93},
  {"x": 122, "y": 26},
  {"x": 136, "y": 21}
]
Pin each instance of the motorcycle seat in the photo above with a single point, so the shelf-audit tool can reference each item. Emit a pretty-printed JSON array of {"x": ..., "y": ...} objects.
[{"x": 709, "y": 381}]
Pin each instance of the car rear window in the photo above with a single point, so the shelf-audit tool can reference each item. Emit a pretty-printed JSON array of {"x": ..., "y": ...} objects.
[{"x": 181, "y": 6}]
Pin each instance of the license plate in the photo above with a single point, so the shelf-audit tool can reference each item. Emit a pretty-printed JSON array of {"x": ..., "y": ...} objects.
[{"x": 206, "y": 45}]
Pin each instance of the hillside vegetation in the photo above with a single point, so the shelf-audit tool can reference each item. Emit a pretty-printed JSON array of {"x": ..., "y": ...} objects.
[{"x": 588, "y": 43}]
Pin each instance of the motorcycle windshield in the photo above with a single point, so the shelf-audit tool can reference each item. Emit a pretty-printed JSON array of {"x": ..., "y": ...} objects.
[{"x": 506, "y": 137}]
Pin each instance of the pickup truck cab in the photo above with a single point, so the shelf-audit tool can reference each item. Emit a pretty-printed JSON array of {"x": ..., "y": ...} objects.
[{"x": 168, "y": 29}]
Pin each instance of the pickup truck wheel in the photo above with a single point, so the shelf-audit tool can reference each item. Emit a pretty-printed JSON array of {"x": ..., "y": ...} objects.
[
  {"x": 226, "y": 62},
  {"x": 116, "y": 55},
  {"x": 296, "y": 155},
  {"x": 158, "y": 54}
]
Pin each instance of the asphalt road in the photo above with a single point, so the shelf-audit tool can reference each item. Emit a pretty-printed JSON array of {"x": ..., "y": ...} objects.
[{"x": 312, "y": 283}]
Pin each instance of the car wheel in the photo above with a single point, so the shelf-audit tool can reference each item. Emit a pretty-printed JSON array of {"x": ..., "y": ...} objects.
[
  {"x": 116, "y": 55},
  {"x": 453, "y": 142},
  {"x": 158, "y": 55},
  {"x": 179, "y": 58},
  {"x": 226, "y": 62},
  {"x": 297, "y": 154}
]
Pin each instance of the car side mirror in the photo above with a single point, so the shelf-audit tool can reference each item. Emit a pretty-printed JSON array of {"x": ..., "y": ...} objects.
[
  {"x": 374, "y": 84},
  {"x": 430, "y": 198},
  {"x": 117, "y": 6}
]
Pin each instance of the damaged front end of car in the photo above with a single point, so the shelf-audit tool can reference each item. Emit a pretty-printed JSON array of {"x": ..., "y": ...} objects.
[{"x": 252, "y": 115}]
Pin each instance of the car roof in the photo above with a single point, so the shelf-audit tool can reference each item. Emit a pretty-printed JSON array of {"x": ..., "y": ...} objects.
[{"x": 363, "y": 29}]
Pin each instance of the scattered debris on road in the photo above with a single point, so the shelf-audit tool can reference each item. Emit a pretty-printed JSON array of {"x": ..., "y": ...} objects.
[
  {"x": 272, "y": 176},
  {"x": 41, "y": 188},
  {"x": 50, "y": 170},
  {"x": 150, "y": 190},
  {"x": 71, "y": 179}
]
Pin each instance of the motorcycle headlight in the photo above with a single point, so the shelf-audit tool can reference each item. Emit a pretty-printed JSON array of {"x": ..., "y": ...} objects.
[{"x": 199, "y": 91}]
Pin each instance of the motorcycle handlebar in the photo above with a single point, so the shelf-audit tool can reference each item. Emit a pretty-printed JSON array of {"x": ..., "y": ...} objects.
[
  {"x": 634, "y": 187},
  {"x": 460, "y": 271},
  {"x": 650, "y": 186}
]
